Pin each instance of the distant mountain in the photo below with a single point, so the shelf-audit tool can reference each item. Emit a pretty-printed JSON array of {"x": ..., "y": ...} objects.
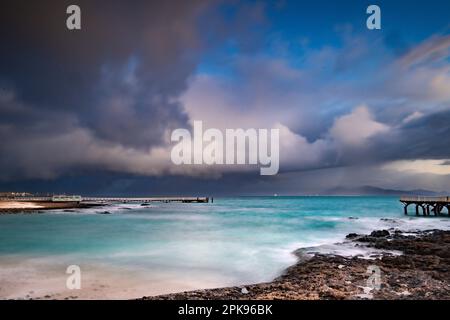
[{"x": 370, "y": 190}]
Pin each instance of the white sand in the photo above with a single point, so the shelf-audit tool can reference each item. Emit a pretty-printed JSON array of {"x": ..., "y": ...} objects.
[
  {"x": 45, "y": 278},
  {"x": 18, "y": 205}
]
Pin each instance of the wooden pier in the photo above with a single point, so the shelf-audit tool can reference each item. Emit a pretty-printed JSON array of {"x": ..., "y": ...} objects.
[
  {"x": 148, "y": 200},
  {"x": 427, "y": 206},
  {"x": 80, "y": 199}
]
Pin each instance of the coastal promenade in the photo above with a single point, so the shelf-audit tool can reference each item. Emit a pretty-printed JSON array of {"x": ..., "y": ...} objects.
[{"x": 426, "y": 206}]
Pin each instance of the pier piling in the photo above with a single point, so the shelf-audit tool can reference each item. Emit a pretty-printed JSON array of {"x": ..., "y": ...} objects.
[{"x": 428, "y": 205}]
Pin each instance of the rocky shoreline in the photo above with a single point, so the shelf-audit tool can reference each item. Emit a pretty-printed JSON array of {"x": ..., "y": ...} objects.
[{"x": 422, "y": 271}]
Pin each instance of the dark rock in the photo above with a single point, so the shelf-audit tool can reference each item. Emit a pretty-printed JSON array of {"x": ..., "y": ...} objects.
[
  {"x": 388, "y": 220},
  {"x": 104, "y": 212},
  {"x": 380, "y": 233}
]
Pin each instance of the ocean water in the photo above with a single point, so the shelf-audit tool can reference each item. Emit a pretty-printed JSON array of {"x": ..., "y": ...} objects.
[{"x": 164, "y": 248}]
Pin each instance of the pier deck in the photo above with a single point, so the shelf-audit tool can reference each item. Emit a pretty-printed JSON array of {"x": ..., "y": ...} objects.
[
  {"x": 119, "y": 199},
  {"x": 426, "y": 206},
  {"x": 149, "y": 200}
]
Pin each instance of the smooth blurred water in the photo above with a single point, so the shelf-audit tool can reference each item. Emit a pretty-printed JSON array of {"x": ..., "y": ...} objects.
[{"x": 236, "y": 240}]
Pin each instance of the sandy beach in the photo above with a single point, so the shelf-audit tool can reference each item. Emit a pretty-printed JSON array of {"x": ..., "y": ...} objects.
[
  {"x": 45, "y": 279},
  {"x": 15, "y": 206},
  {"x": 5, "y": 205}
]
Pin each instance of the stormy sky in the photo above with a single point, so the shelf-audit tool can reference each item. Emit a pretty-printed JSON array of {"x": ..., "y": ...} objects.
[{"x": 91, "y": 111}]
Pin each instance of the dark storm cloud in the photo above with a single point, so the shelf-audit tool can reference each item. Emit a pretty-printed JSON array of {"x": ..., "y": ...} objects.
[
  {"x": 119, "y": 75},
  {"x": 424, "y": 138},
  {"x": 103, "y": 99},
  {"x": 104, "y": 96}
]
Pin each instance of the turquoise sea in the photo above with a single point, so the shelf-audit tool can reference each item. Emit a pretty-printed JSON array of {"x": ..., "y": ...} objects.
[{"x": 163, "y": 248}]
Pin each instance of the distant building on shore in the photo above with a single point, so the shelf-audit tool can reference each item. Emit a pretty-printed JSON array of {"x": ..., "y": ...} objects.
[
  {"x": 15, "y": 194},
  {"x": 66, "y": 198}
]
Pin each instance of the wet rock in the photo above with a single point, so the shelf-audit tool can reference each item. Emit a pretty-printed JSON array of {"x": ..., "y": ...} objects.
[
  {"x": 380, "y": 233},
  {"x": 388, "y": 220},
  {"x": 104, "y": 212}
]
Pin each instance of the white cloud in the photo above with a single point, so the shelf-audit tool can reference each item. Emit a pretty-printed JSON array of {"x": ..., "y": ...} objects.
[
  {"x": 440, "y": 85},
  {"x": 355, "y": 128},
  {"x": 432, "y": 166},
  {"x": 296, "y": 151},
  {"x": 413, "y": 116},
  {"x": 436, "y": 48}
]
